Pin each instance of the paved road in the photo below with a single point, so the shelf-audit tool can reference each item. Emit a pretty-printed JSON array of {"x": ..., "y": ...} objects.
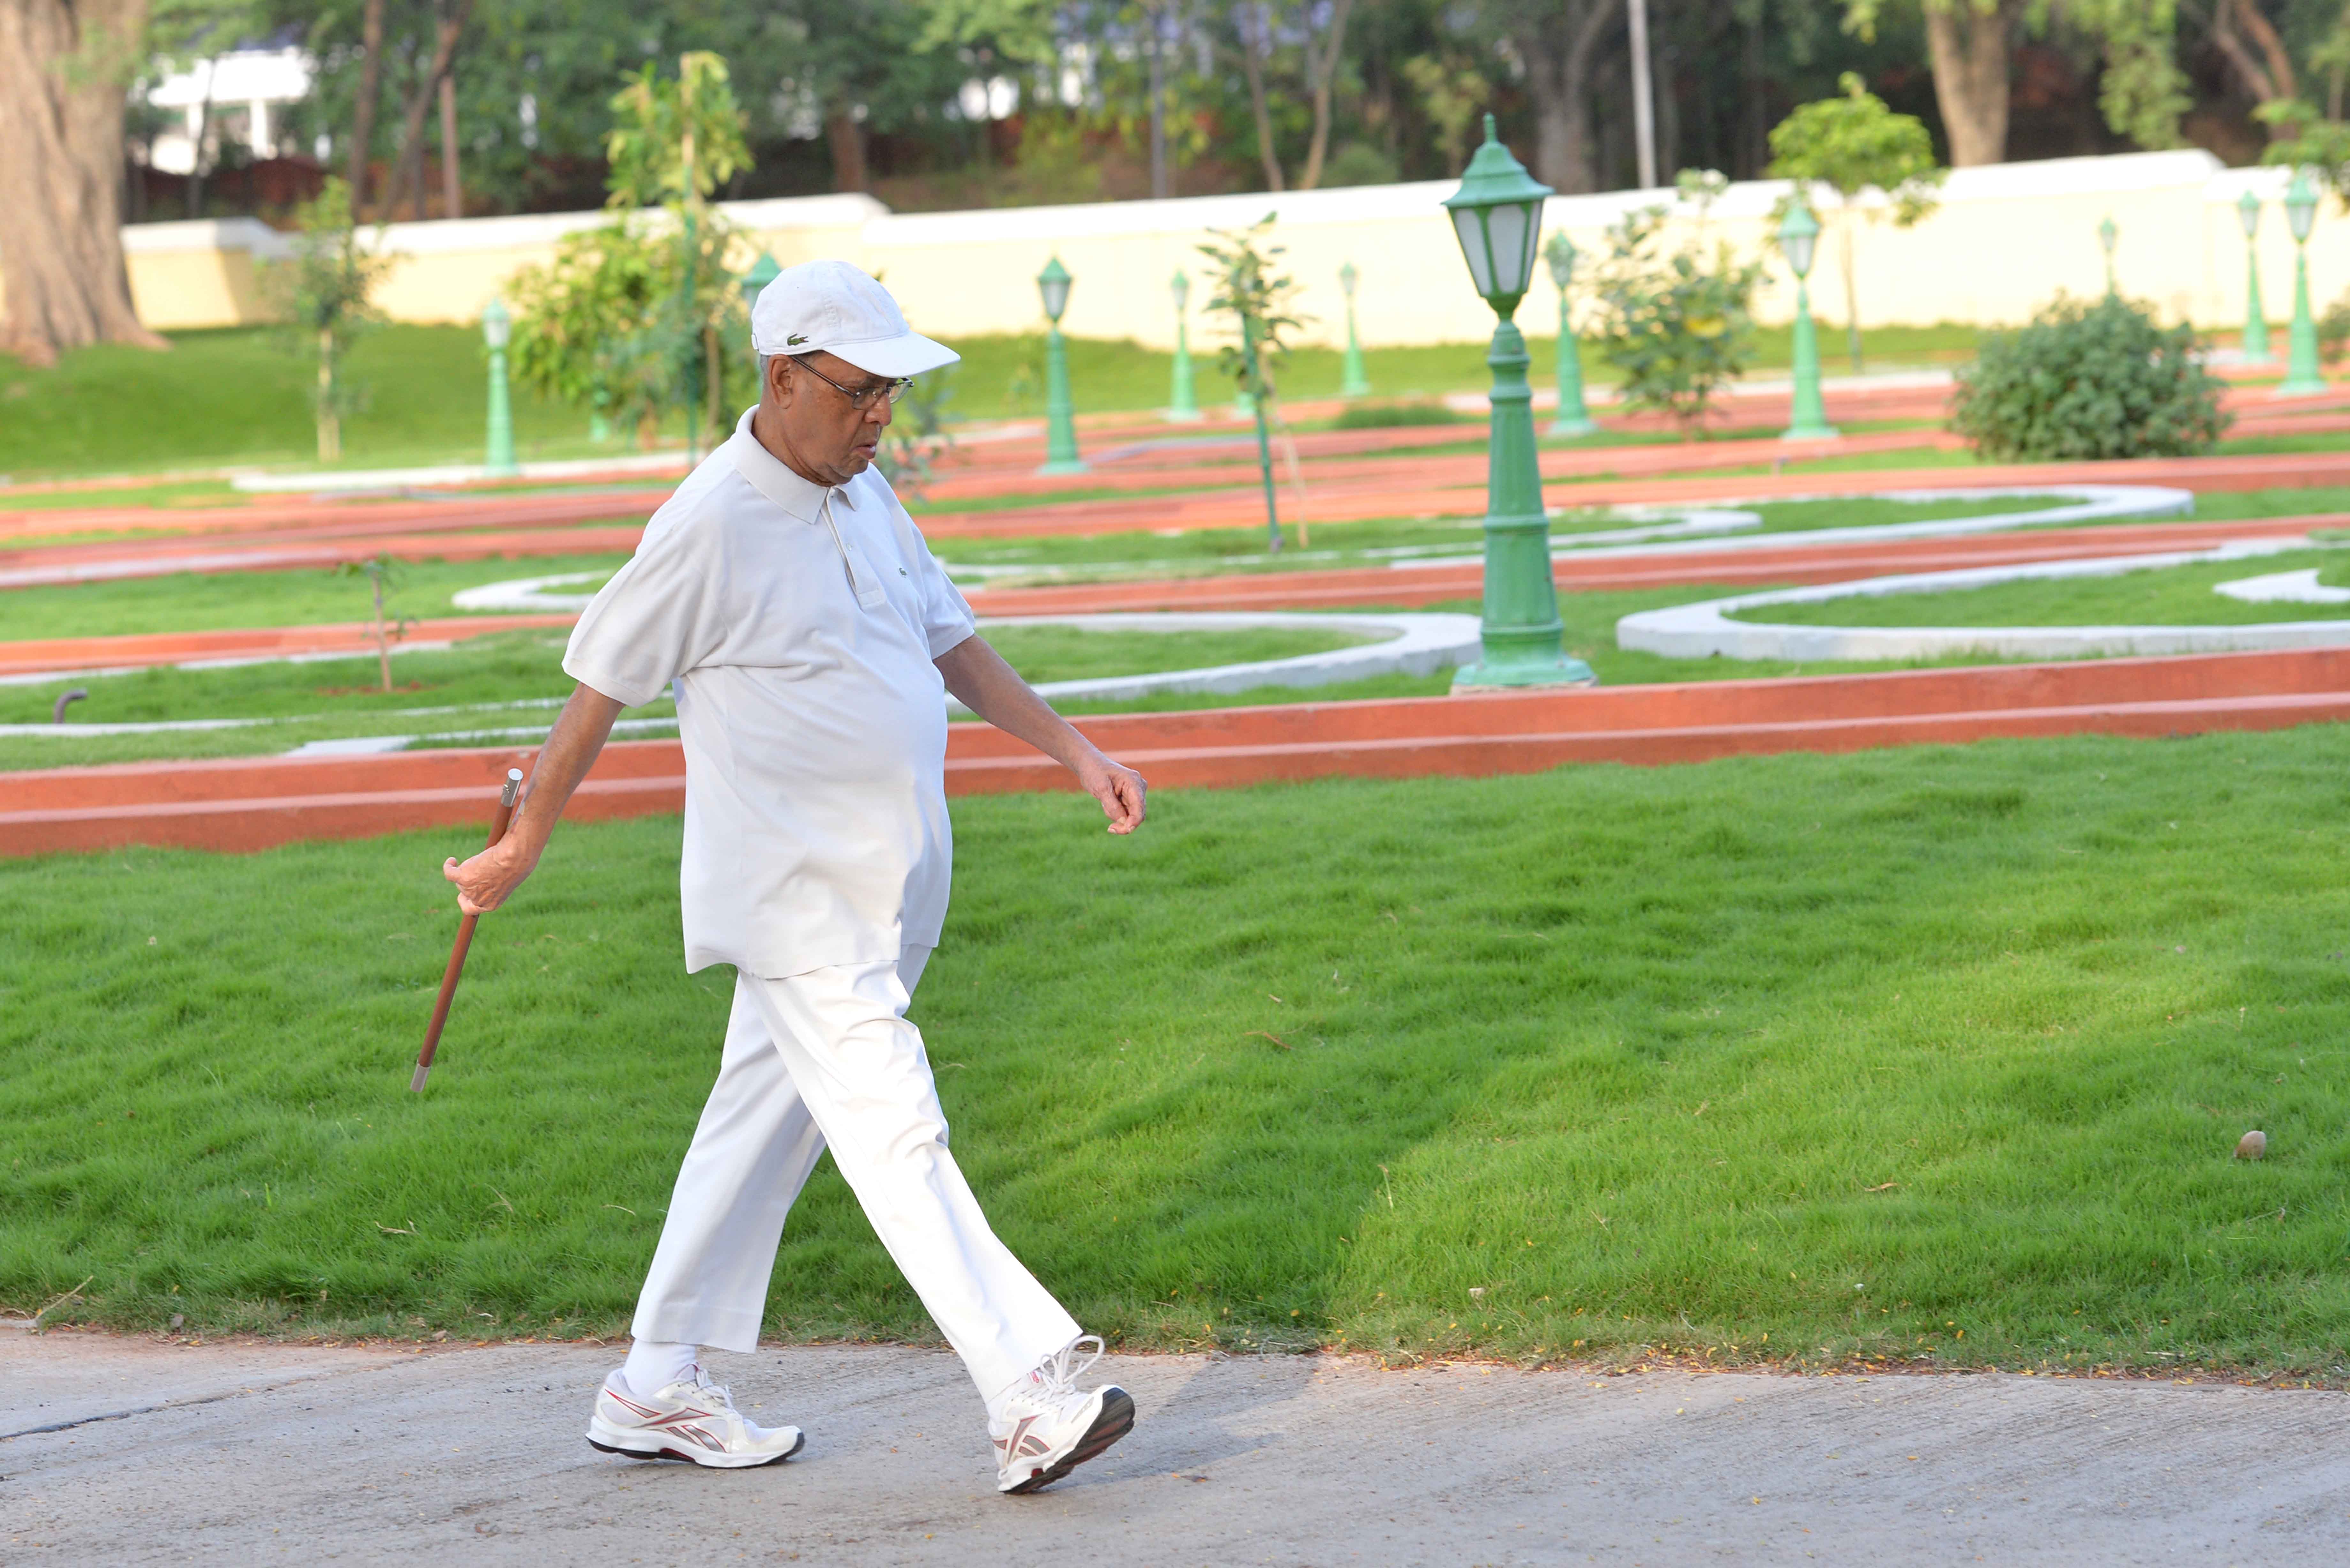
[{"x": 254, "y": 1453}]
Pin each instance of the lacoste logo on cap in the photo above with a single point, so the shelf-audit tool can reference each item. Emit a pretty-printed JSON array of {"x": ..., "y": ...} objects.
[{"x": 794, "y": 340}]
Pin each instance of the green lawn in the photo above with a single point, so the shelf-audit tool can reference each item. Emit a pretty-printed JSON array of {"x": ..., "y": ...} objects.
[
  {"x": 2169, "y": 596},
  {"x": 1931, "y": 1055},
  {"x": 238, "y": 395},
  {"x": 474, "y": 686}
]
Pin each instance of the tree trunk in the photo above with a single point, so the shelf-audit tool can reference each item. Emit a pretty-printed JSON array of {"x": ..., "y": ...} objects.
[
  {"x": 1253, "y": 67},
  {"x": 844, "y": 136},
  {"x": 411, "y": 174},
  {"x": 452, "y": 190},
  {"x": 62, "y": 67},
  {"x": 1321, "y": 72},
  {"x": 2268, "y": 76},
  {"x": 1969, "y": 50},
  {"x": 363, "y": 116},
  {"x": 1159, "y": 186},
  {"x": 1559, "y": 51},
  {"x": 202, "y": 133}
]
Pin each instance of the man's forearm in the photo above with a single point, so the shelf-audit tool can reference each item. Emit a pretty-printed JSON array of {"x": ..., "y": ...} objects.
[
  {"x": 982, "y": 682},
  {"x": 571, "y": 749}
]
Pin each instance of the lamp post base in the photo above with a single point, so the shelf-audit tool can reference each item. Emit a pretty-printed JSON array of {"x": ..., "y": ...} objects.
[
  {"x": 1066, "y": 465},
  {"x": 1567, "y": 671},
  {"x": 2299, "y": 387},
  {"x": 1572, "y": 428},
  {"x": 1809, "y": 433}
]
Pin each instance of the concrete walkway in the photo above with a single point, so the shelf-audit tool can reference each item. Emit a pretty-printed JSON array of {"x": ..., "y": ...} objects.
[{"x": 249, "y": 1453}]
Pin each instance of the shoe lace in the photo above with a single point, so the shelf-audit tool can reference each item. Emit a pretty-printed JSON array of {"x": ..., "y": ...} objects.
[
  {"x": 1059, "y": 1371},
  {"x": 710, "y": 1390}
]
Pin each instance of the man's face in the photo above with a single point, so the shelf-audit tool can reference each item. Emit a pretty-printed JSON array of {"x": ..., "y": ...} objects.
[{"x": 822, "y": 429}]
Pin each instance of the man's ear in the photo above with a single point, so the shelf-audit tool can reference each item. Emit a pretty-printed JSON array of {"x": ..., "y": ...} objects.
[{"x": 778, "y": 389}]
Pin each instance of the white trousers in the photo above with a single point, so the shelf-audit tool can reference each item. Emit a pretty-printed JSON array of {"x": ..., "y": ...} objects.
[{"x": 826, "y": 1058}]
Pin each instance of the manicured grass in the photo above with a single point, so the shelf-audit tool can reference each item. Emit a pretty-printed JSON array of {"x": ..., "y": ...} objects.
[
  {"x": 476, "y": 685},
  {"x": 227, "y": 601},
  {"x": 2169, "y": 596},
  {"x": 1931, "y": 1056},
  {"x": 239, "y": 395}
]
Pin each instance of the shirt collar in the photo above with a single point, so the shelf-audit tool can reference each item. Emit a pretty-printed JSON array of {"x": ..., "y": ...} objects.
[{"x": 769, "y": 476}]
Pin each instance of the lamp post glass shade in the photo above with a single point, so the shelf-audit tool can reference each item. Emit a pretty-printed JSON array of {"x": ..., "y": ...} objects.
[
  {"x": 1053, "y": 283},
  {"x": 1799, "y": 235},
  {"x": 1497, "y": 216},
  {"x": 1179, "y": 286},
  {"x": 2248, "y": 212},
  {"x": 2300, "y": 206},
  {"x": 2107, "y": 233},
  {"x": 1346, "y": 276},
  {"x": 497, "y": 326},
  {"x": 762, "y": 272},
  {"x": 1561, "y": 256}
]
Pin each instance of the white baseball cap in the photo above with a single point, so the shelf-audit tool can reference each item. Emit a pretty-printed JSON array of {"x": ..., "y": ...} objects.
[{"x": 832, "y": 306}]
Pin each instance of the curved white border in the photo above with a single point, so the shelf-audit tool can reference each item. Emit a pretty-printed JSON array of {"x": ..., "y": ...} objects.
[{"x": 1705, "y": 629}]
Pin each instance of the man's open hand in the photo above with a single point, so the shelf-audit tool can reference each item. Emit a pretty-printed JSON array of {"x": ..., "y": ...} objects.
[
  {"x": 489, "y": 879},
  {"x": 1120, "y": 789}
]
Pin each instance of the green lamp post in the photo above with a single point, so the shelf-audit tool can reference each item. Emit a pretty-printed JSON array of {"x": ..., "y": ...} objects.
[
  {"x": 1352, "y": 380},
  {"x": 497, "y": 327},
  {"x": 2256, "y": 324},
  {"x": 2107, "y": 235},
  {"x": 1182, "y": 404},
  {"x": 1799, "y": 238},
  {"x": 1060, "y": 421},
  {"x": 1574, "y": 419},
  {"x": 762, "y": 272},
  {"x": 1497, "y": 215},
  {"x": 2301, "y": 375}
]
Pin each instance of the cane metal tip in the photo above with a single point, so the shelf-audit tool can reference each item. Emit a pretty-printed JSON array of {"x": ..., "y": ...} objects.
[{"x": 415, "y": 1084}]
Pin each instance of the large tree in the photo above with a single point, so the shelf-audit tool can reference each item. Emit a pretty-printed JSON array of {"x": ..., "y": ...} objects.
[
  {"x": 63, "y": 65},
  {"x": 1559, "y": 40}
]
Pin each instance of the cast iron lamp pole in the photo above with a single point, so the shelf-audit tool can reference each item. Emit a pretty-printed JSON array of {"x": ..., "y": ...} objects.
[
  {"x": 1574, "y": 419},
  {"x": 1497, "y": 213},
  {"x": 1799, "y": 237},
  {"x": 1182, "y": 405},
  {"x": 1060, "y": 421},
  {"x": 498, "y": 461},
  {"x": 2256, "y": 325},
  {"x": 2106, "y": 236},
  {"x": 2301, "y": 373},
  {"x": 1352, "y": 380}
]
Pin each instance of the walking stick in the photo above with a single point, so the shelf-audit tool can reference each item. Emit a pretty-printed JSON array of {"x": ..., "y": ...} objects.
[{"x": 464, "y": 940}]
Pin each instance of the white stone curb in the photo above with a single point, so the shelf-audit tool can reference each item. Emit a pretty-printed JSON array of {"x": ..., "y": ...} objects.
[{"x": 1704, "y": 630}]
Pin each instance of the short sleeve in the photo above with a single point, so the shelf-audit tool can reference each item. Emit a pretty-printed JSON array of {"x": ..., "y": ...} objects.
[{"x": 659, "y": 616}]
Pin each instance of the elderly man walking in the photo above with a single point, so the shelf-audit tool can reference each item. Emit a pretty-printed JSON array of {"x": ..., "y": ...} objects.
[{"x": 811, "y": 639}]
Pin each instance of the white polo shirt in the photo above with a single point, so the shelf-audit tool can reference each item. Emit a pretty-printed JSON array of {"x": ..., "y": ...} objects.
[{"x": 800, "y": 634}]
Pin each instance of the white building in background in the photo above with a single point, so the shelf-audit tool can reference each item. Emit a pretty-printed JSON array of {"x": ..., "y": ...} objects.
[{"x": 237, "y": 97}]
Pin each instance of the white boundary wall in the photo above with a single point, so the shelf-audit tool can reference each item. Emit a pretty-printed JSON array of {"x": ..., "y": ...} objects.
[{"x": 2005, "y": 239}]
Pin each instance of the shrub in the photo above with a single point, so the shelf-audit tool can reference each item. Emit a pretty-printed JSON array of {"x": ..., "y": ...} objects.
[
  {"x": 2088, "y": 380},
  {"x": 2333, "y": 329},
  {"x": 1389, "y": 416},
  {"x": 1675, "y": 325}
]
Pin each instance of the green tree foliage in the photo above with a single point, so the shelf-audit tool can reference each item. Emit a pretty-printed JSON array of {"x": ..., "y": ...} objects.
[
  {"x": 1251, "y": 290},
  {"x": 323, "y": 291},
  {"x": 1852, "y": 145},
  {"x": 1675, "y": 322},
  {"x": 2088, "y": 379},
  {"x": 634, "y": 319}
]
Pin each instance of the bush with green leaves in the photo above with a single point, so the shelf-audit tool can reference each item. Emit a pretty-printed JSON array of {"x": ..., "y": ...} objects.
[
  {"x": 1675, "y": 325},
  {"x": 2088, "y": 379}
]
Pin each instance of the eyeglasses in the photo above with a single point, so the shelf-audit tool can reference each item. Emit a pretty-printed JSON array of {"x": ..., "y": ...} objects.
[{"x": 860, "y": 397}]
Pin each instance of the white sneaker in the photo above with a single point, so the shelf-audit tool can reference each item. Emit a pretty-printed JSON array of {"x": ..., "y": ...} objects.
[
  {"x": 692, "y": 1420},
  {"x": 1048, "y": 1426}
]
